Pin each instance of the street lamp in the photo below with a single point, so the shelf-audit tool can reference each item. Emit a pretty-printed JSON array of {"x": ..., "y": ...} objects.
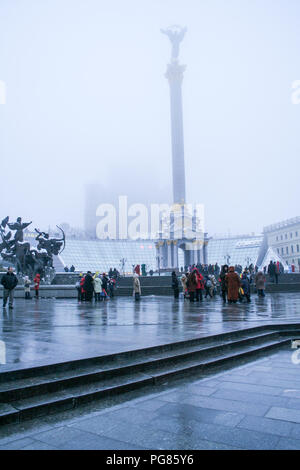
[{"x": 123, "y": 261}]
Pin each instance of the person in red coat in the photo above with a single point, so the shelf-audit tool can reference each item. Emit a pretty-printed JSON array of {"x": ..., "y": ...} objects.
[
  {"x": 192, "y": 285},
  {"x": 37, "y": 281},
  {"x": 233, "y": 284},
  {"x": 82, "y": 289},
  {"x": 137, "y": 270},
  {"x": 200, "y": 285}
]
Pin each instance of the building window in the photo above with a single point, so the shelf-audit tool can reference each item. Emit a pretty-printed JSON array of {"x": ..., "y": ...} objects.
[
  {"x": 296, "y": 234},
  {"x": 297, "y": 248},
  {"x": 277, "y": 238},
  {"x": 287, "y": 250},
  {"x": 286, "y": 236},
  {"x": 282, "y": 250},
  {"x": 281, "y": 237},
  {"x": 278, "y": 250},
  {"x": 292, "y": 248},
  {"x": 291, "y": 235}
]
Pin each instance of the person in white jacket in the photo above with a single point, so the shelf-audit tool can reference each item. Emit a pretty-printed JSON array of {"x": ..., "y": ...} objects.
[
  {"x": 136, "y": 286},
  {"x": 97, "y": 287}
]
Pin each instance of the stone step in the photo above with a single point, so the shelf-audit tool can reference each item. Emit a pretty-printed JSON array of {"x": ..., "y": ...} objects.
[
  {"x": 21, "y": 372},
  {"x": 73, "y": 396},
  {"x": 22, "y": 388}
]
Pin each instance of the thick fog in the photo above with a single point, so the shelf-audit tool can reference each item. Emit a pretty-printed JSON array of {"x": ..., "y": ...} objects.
[{"x": 87, "y": 101}]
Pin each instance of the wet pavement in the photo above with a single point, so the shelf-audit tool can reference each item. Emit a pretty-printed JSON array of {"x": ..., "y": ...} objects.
[
  {"x": 254, "y": 406},
  {"x": 48, "y": 331}
]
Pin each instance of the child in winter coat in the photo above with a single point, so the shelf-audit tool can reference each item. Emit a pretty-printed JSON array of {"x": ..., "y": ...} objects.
[
  {"x": 184, "y": 286},
  {"x": 37, "y": 281},
  {"x": 27, "y": 287},
  {"x": 244, "y": 291}
]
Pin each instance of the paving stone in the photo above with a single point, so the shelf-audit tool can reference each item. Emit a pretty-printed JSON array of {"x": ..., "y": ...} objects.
[
  {"x": 242, "y": 371},
  {"x": 17, "y": 444},
  {"x": 198, "y": 390},
  {"x": 262, "y": 368},
  {"x": 130, "y": 415},
  {"x": 145, "y": 436},
  {"x": 149, "y": 405},
  {"x": 237, "y": 437},
  {"x": 295, "y": 431},
  {"x": 283, "y": 383},
  {"x": 251, "y": 397},
  {"x": 97, "y": 424},
  {"x": 208, "y": 382},
  {"x": 288, "y": 375},
  {"x": 239, "y": 378},
  {"x": 58, "y": 436},
  {"x": 208, "y": 445},
  {"x": 226, "y": 418},
  {"x": 36, "y": 445},
  {"x": 293, "y": 403},
  {"x": 177, "y": 425},
  {"x": 253, "y": 388},
  {"x": 228, "y": 405},
  {"x": 93, "y": 442},
  {"x": 186, "y": 413},
  {"x": 288, "y": 444},
  {"x": 179, "y": 396},
  {"x": 284, "y": 414},
  {"x": 266, "y": 425}
]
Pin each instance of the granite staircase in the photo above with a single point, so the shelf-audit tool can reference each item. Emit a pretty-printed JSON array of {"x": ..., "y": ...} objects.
[{"x": 36, "y": 391}]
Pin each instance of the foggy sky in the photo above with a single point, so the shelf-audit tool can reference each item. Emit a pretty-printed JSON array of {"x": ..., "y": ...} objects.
[{"x": 87, "y": 101}]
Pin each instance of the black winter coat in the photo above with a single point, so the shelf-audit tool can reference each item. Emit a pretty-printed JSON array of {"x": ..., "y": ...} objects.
[
  {"x": 223, "y": 281},
  {"x": 104, "y": 283},
  {"x": 245, "y": 285},
  {"x": 9, "y": 281},
  {"x": 175, "y": 284},
  {"x": 88, "y": 285}
]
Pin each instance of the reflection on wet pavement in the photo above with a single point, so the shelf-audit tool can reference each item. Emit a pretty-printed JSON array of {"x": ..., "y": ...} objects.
[{"x": 48, "y": 330}]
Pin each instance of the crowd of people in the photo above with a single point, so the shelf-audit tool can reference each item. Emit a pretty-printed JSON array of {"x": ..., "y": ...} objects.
[
  {"x": 99, "y": 286},
  {"x": 232, "y": 284}
]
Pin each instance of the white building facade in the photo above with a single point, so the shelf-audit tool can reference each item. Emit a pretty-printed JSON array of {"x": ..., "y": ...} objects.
[{"x": 284, "y": 238}]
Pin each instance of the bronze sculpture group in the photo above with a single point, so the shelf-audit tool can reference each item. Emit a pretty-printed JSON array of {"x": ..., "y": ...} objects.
[{"x": 26, "y": 259}]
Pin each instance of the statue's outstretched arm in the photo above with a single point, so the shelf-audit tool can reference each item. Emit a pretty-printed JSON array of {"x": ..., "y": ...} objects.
[
  {"x": 13, "y": 226},
  {"x": 26, "y": 225}
]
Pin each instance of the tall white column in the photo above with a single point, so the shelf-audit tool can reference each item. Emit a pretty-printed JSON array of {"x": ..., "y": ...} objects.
[
  {"x": 175, "y": 76},
  {"x": 169, "y": 256}
]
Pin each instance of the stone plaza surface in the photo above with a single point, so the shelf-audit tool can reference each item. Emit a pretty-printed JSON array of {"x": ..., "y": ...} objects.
[
  {"x": 48, "y": 331},
  {"x": 254, "y": 406}
]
